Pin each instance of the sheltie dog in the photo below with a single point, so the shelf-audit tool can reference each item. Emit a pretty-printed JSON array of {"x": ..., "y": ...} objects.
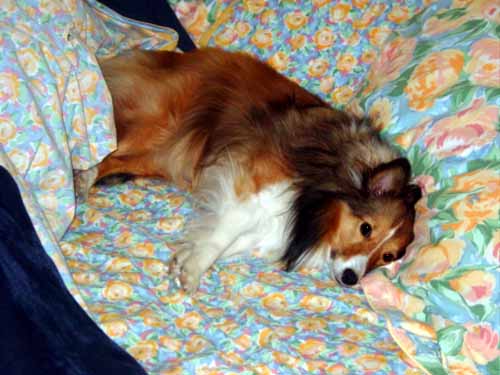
[{"x": 273, "y": 167}]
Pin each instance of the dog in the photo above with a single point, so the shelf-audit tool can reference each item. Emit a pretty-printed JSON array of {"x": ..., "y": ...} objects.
[{"x": 273, "y": 167}]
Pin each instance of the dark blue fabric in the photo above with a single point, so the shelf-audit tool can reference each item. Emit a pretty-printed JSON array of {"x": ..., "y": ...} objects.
[
  {"x": 43, "y": 330},
  {"x": 157, "y": 12}
]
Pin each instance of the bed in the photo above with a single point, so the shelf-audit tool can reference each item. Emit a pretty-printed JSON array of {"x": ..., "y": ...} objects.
[{"x": 426, "y": 72}]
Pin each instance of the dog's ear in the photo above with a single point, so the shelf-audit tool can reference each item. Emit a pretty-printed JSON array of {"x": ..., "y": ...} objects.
[
  {"x": 389, "y": 178},
  {"x": 412, "y": 194}
]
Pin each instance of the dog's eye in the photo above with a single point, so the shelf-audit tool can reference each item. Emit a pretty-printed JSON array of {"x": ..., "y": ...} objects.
[
  {"x": 365, "y": 229},
  {"x": 388, "y": 257}
]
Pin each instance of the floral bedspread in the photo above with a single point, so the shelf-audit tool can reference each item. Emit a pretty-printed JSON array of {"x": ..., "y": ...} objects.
[
  {"x": 55, "y": 112},
  {"x": 248, "y": 317},
  {"x": 427, "y": 72}
]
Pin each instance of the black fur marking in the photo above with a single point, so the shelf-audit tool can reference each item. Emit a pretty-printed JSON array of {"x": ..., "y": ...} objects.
[{"x": 308, "y": 209}]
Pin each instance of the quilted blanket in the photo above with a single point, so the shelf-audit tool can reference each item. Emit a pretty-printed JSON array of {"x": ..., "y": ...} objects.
[{"x": 427, "y": 72}]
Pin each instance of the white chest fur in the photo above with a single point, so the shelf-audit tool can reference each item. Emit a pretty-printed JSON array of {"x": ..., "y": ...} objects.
[{"x": 227, "y": 226}]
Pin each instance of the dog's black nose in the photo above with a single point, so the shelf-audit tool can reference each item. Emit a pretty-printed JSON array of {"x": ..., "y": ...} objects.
[{"x": 349, "y": 277}]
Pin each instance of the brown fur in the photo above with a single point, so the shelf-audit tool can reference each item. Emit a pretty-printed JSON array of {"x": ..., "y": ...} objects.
[{"x": 177, "y": 114}]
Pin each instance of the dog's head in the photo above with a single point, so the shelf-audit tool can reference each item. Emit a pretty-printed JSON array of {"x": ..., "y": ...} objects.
[{"x": 355, "y": 230}]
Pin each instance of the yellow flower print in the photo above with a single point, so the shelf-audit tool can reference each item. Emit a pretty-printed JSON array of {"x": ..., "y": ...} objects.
[
  {"x": 324, "y": 38},
  {"x": 346, "y": 62},
  {"x": 131, "y": 198},
  {"x": 372, "y": 362},
  {"x": 311, "y": 348},
  {"x": 272, "y": 278},
  {"x": 151, "y": 319},
  {"x": 117, "y": 291},
  {"x": 194, "y": 16},
  {"x": 143, "y": 250},
  {"x": 267, "y": 16},
  {"x": 297, "y": 41},
  {"x": 479, "y": 179},
  {"x": 473, "y": 210},
  {"x": 279, "y": 61},
  {"x": 312, "y": 324},
  {"x": 10, "y": 84},
  {"x": 171, "y": 224},
  {"x": 353, "y": 334},
  {"x": 339, "y": 12},
  {"x": 368, "y": 56},
  {"x": 342, "y": 94},
  {"x": 285, "y": 359},
  {"x": 347, "y": 349},
  {"x": 232, "y": 358},
  {"x": 123, "y": 239},
  {"x": 380, "y": 113},
  {"x": 29, "y": 60},
  {"x": 242, "y": 29},
  {"x": 295, "y": 20},
  {"x": 227, "y": 326},
  {"x": 54, "y": 180},
  {"x": 275, "y": 302},
  {"x": 174, "y": 370},
  {"x": 262, "y": 39},
  {"x": 19, "y": 159},
  {"x": 252, "y": 290},
  {"x": 88, "y": 81},
  {"x": 139, "y": 215},
  {"x": 115, "y": 328},
  {"x": 76, "y": 265},
  {"x": 432, "y": 77},
  {"x": 337, "y": 369},
  {"x": 320, "y": 3},
  {"x": 378, "y": 35},
  {"x": 85, "y": 278},
  {"x": 190, "y": 320},
  {"x": 254, "y": 6},
  {"x": 244, "y": 342},
  {"x": 266, "y": 335},
  {"x": 7, "y": 130},
  {"x": 433, "y": 261},
  {"x": 315, "y": 303},
  {"x": 326, "y": 84},
  {"x": 144, "y": 350},
  {"x": 399, "y": 14},
  {"x": 196, "y": 344},
  {"x": 131, "y": 277},
  {"x": 262, "y": 369},
  {"x": 171, "y": 343},
  {"x": 69, "y": 248},
  {"x": 363, "y": 316},
  {"x": 154, "y": 267},
  {"x": 354, "y": 39},
  {"x": 360, "y": 4},
  {"x": 317, "y": 67},
  {"x": 226, "y": 37}
]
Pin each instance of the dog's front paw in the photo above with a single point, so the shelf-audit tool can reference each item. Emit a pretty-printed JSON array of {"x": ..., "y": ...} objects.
[{"x": 187, "y": 269}]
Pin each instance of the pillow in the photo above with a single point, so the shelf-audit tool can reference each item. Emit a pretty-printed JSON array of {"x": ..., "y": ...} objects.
[{"x": 434, "y": 91}]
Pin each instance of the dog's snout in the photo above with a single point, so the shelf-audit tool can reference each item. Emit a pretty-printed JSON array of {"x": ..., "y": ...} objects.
[{"x": 349, "y": 277}]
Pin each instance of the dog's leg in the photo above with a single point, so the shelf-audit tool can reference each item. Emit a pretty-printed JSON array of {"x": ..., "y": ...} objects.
[{"x": 227, "y": 235}]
